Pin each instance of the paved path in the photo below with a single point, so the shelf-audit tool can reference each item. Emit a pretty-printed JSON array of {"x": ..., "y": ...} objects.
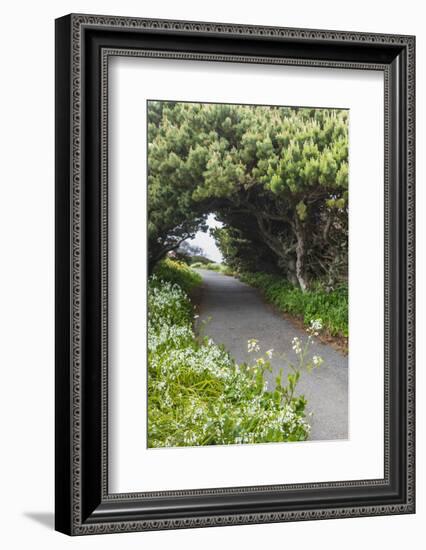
[{"x": 238, "y": 312}]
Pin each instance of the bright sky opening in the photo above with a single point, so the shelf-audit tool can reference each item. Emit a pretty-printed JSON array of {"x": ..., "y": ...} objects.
[{"x": 207, "y": 242}]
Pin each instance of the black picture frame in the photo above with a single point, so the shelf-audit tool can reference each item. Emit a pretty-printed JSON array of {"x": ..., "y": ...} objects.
[{"x": 83, "y": 504}]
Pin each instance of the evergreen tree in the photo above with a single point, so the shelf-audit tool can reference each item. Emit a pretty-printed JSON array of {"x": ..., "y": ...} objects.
[{"x": 276, "y": 176}]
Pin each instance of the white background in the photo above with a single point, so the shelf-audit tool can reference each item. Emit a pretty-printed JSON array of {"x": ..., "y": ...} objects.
[
  {"x": 132, "y": 81},
  {"x": 26, "y": 300}
]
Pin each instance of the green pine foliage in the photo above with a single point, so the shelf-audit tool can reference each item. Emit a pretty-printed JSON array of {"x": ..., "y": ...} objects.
[{"x": 278, "y": 175}]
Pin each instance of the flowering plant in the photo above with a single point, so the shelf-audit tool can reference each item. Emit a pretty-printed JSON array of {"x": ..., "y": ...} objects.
[
  {"x": 198, "y": 395},
  {"x": 285, "y": 393}
]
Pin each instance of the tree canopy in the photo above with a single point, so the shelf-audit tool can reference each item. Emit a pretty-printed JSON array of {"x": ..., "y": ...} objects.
[{"x": 277, "y": 177}]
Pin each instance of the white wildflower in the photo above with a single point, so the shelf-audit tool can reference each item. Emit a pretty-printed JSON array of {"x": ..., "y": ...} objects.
[
  {"x": 270, "y": 353},
  {"x": 253, "y": 345},
  {"x": 296, "y": 345},
  {"x": 316, "y": 325},
  {"x": 317, "y": 360}
]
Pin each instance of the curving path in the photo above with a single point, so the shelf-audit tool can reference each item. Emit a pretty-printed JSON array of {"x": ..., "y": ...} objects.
[{"x": 238, "y": 312}]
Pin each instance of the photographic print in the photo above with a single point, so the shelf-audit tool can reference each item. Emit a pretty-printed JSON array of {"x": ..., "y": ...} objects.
[{"x": 248, "y": 273}]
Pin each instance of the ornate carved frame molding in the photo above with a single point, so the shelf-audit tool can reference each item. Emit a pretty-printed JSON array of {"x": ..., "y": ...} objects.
[{"x": 84, "y": 43}]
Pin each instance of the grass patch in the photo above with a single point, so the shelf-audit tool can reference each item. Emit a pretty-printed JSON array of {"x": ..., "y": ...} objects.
[
  {"x": 331, "y": 307},
  {"x": 212, "y": 266},
  {"x": 179, "y": 273}
]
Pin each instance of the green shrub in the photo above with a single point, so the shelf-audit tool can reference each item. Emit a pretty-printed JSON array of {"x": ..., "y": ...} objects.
[
  {"x": 220, "y": 268},
  {"x": 178, "y": 273},
  {"x": 197, "y": 394},
  {"x": 331, "y": 307},
  {"x": 213, "y": 266},
  {"x": 199, "y": 259}
]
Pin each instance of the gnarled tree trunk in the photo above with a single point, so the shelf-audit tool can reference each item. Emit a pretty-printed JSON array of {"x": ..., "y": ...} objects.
[{"x": 300, "y": 254}]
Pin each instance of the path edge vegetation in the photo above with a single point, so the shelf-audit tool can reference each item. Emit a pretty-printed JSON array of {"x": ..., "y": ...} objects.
[
  {"x": 198, "y": 395},
  {"x": 331, "y": 306}
]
